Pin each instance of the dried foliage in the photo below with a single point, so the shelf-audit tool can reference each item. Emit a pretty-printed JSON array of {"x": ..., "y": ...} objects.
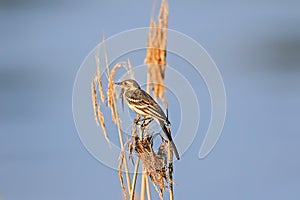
[
  {"x": 99, "y": 82},
  {"x": 154, "y": 163},
  {"x": 97, "y": 93},
  {"x": 157, "y": 164},
  {"x": 111, "y": 93},
  {"x": 156, "y": 53},
  {"x": 96, "y": 104},
  {"x": 120, "y": 174}
]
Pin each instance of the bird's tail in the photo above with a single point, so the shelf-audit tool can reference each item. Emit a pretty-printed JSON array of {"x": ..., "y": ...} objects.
[{"x": 168, "y": 134}]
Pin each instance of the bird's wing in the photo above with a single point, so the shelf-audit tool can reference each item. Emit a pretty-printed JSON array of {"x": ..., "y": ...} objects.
[{"x": 143, "y": 101}]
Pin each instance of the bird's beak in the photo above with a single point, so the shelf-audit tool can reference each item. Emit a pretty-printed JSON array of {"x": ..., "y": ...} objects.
[{"x": 118, "y": 83}]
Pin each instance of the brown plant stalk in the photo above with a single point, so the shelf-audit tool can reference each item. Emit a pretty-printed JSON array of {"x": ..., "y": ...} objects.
[{"x": 157, "y": 165}]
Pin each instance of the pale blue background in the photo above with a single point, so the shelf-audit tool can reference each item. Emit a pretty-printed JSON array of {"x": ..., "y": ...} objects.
[{"x": 255, "y": 44}]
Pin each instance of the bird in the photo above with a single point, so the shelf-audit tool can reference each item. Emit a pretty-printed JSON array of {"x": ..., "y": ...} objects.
[{"x": 140, "y": 102}]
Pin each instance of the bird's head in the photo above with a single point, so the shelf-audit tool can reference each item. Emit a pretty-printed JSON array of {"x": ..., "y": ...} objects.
[{"x": 129, "y": 84}]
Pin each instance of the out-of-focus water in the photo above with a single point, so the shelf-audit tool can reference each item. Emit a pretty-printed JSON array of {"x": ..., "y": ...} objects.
[{"x": 256, "y": 46}]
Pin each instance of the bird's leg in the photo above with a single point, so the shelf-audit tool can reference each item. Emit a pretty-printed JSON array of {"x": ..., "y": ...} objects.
[
  {"x": 135, "y": 124},
  {"x": 137, "y": 120},
  {"x": 143, "y": 121},
  {"x": 147, "y": 121}
]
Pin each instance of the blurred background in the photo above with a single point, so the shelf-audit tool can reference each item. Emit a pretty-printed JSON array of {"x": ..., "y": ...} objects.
[{"x": 256, "y": 46}]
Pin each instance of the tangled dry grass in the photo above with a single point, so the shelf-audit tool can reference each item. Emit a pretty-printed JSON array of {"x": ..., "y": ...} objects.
[{"x": 157, "y": 164}]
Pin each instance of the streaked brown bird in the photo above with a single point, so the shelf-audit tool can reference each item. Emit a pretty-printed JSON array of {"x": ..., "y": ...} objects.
[{"x": 143, "y": 104}]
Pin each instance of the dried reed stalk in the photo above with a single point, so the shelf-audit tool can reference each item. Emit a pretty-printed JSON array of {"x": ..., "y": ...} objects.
[
  {"x": 111, "y": 101},
  {"x": 111, "y": 93},
  {"x": 156, "y": 52},
  {"x": 134, "y": 179},
  {"x": 154, "y": 163},
  {"x": 147, "y": 186},
  {"x": 156, "y": 55},
  {"x": 170, "y": 169},
  {"x": 100, "y": 88},
  {"x": 96, "y": 105},
  {"x": 120, "y": 174},
  {"x": 156, "y": 61},
  {"x": 130, "y": 70},
  {"x": 158, "y": 166},
  {"x": 143, "y": 188}
]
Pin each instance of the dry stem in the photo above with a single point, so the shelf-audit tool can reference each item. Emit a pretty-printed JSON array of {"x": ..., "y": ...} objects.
[
  {"x": 158, "y": 166},
  {"x": 147, "y": 186},
  {"x": 111, "y": 99},
  {"x": 134, "y": 179}
]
